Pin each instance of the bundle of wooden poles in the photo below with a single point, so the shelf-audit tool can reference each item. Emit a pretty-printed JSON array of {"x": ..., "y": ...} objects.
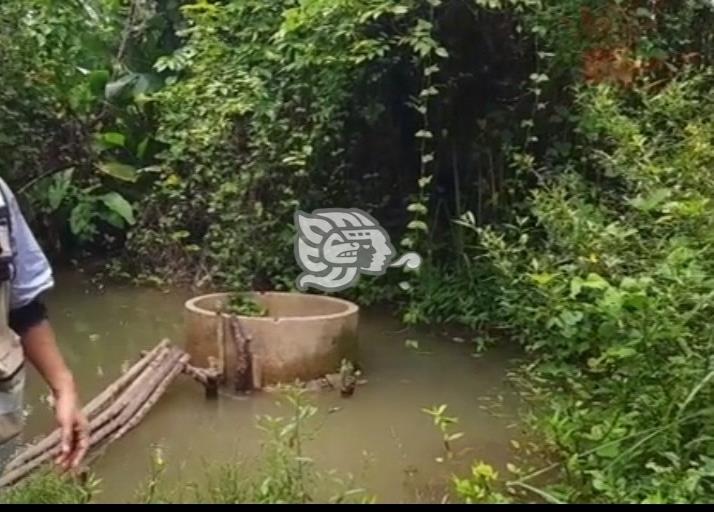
[{"x": 118, "y": 409}]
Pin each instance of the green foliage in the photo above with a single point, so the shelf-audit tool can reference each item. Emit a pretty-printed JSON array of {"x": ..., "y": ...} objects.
[
  {"x": 214, "y": 121},
  {"x": 609, "y": 288},
  {"x": 550, "y": 159},
  {"x": 150, "y": 492},
  {"x": 76, "y": 131},
  {"x": 481, "y": 486},
  {"x": 49, "y": 488},
  {"x": 84, "y": 207},
  {"x": 244, "y": 305},
  {"x": 445, "y": 423},
  {"x": 254, "y": 123}
]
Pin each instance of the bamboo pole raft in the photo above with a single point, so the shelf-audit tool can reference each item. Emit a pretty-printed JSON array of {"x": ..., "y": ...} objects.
[{"x": 119, "y": 408}]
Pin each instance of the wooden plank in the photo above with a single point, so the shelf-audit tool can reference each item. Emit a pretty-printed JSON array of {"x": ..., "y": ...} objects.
[{"x": 118, "y": 409}]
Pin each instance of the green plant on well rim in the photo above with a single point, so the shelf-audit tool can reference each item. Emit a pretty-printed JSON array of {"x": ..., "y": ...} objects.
[{"x": 242, "y": 304}]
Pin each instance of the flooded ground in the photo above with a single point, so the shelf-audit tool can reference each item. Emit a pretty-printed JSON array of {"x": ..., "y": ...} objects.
[{"x": 380, "y": 435}]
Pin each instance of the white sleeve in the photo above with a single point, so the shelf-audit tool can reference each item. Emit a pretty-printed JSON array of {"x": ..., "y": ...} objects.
[{"x": 32, "y": 273}]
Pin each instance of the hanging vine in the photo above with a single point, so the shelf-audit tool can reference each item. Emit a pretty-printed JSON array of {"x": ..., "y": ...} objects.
[{"x": 427, "y": 53}]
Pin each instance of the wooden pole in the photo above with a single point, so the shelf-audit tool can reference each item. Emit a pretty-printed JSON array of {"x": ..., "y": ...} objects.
[
  {"x": 135, "y": 397},
  {"x": 92, "y": 407},
  {"x": 257, "y": 372},
  {"x": 117, "y": 410},
  {"x": 126, "y": 396},
  {"x": 208, "y": 377},
  {"x": 241, "y": 342},
  {"x": 154, "y": 397}
]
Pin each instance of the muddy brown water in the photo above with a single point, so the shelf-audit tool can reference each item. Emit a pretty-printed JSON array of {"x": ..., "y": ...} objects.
[{"x": 380, "y": 435}]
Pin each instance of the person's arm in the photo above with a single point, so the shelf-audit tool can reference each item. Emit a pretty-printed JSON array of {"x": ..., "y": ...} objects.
[
  {"x": 32, "y": 276},
  {"x": 41, "y": 350}
]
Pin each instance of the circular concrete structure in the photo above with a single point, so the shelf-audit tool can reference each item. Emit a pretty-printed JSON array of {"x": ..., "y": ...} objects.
[{"x": 303, "y": 337}]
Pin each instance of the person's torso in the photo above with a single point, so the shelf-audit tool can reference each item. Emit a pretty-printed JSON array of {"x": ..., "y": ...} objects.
[{"x": 11, "y": 353}]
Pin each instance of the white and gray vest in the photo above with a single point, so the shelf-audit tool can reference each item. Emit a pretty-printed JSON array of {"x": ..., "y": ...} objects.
[{"x": 11, "y": 354}]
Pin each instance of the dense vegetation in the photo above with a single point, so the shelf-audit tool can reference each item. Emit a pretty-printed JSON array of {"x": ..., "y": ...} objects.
[{"x": 551, "y": 159}]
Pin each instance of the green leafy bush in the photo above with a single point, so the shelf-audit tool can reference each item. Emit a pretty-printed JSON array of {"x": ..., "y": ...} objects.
[
  {"x": 241, "y": 304},
  {"x": 254, "y": 123},
  {"x": 48, "y": 488},
  {"x": 609, "y": 285}
]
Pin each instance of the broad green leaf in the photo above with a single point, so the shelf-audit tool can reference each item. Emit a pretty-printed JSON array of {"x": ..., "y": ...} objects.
[
  {"x": 636, "y": 300},
  {"x": 542, "y": 278},
  {"x": 652, "y": 200},
  {"x": 172, "y": 180},
  {"x": 80, "y": 219},
  {"x": 155, "y": 169},
  {"x": 612, "y": 301},
  {"x": 628, "y": 283},
  {"x": 423, "y": 182},
  {"x": 608, "y": 450},
  {"x": 405, "y": 285},
  {"x": 113, "y": 139},
  {"x": 116, "y": 88},
  {"x": 430, "y": 91},
  {"x": 141, "y": 148},
  {"x": 180, "y": 235},
  {"x": 431, "y": 70},
  {"x": 116, "y": 203},
  {"x": 59, "y": 188},
  {"x": 621, "y": 352},
  {"x": 98, "y": 81},
  {"x": 595, "y": 281},
  {"x": 418, "y": 225},
  {"x": 607, "y": 329},
  {"x": 119, "y": 171},
  {"x": 598, "y": 481},
  {"x": 571, "y": 318},
  {"x": 112, "y": 218},
  {"x": 417, "y": 208},
  {"x": 455, "y": 436},
  {"x": 146, "y": 83}
]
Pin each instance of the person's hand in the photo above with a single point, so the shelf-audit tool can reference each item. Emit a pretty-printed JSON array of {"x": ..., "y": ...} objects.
[
  {"x": 42, "y": 351},
  {"x": 74, "y": 430}
]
